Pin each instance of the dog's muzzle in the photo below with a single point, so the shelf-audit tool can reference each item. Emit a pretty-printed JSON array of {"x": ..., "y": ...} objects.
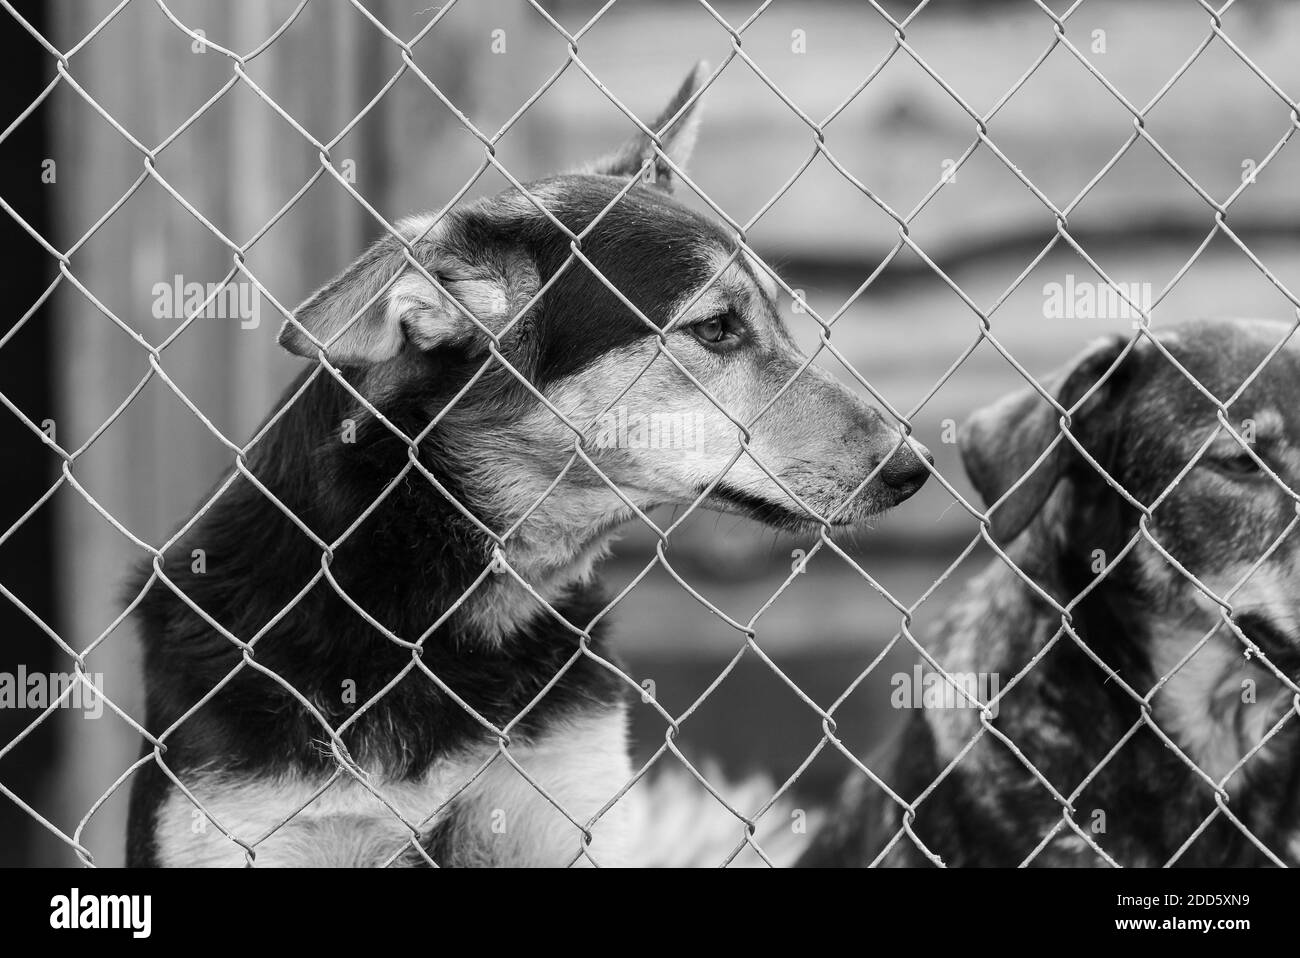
[{"x": 906, "y": 470}]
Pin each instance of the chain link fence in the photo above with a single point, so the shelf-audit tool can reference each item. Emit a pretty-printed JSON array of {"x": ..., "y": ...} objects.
[{"x": 1058, "y": 34}]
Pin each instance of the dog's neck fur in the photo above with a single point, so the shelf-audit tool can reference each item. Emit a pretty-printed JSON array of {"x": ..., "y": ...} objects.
[
  {"x": 496, "y": 652},
  {"x": 553, "y": 537},
  {"x": 544, "y": 557}
]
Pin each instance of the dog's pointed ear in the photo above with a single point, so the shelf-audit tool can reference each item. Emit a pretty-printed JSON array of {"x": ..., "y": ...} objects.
[
  {"x": 382, "y": 303},
  {"x": 1000, "y": 443},
  {"x": 677, "y": 140}
]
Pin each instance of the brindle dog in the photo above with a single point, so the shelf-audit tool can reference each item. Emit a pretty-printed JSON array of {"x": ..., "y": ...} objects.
[{"x": 1223, "y": 511}]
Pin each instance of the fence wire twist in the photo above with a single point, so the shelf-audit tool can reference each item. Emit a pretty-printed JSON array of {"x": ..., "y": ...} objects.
[{"x": 1056, "y": 26}]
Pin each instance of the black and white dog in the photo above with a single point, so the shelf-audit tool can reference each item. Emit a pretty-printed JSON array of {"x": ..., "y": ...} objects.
[
  {"x": 416, "y": 595},
  {"x": 1224, "y": 699}
]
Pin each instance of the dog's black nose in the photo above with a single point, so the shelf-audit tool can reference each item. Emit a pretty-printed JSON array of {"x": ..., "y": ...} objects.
[{"x": 905, "y": 472}]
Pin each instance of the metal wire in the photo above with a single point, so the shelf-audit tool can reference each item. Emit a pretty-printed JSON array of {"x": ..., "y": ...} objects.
[{"x": 1058, "y": 35}]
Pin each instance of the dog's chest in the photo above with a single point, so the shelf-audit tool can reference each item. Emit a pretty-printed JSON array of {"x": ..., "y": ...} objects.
[
  {"x": 1216, "y": 705},
  {"x": 526, "y": 806}
]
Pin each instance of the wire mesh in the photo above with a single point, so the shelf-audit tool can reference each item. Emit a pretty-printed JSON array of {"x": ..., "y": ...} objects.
[{"x": 1058, "y": 36}]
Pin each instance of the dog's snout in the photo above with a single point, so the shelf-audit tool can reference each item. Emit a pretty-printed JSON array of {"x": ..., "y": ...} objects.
[{"x": 905, "y": 471}]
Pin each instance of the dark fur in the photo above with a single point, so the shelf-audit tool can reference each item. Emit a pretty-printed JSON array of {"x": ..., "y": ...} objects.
[{"x": 1066, "y": 714}]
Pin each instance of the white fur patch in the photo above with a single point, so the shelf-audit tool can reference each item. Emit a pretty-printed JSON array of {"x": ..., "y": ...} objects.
[
  {"x": 501, "y": 819},
  {"x": 680, "y": 824},
  {"x": 1218, "y": 706}
]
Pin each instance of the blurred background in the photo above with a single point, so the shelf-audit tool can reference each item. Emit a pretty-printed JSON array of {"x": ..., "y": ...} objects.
[{"x": 75, "y": 187}]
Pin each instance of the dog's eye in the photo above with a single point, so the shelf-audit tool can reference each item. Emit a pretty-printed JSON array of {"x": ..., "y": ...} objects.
[
  {"x": 718, "y": 330},
  {"x": 712, "y": 330},
  {"x": 1242, "y": 464}
]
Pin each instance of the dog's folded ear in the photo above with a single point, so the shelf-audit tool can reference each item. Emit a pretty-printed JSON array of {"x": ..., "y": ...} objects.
[
  {"x": 677, "y": 140},
  {"x": 1001, "y": 443},
  {"x": 383, "y": 302}
]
